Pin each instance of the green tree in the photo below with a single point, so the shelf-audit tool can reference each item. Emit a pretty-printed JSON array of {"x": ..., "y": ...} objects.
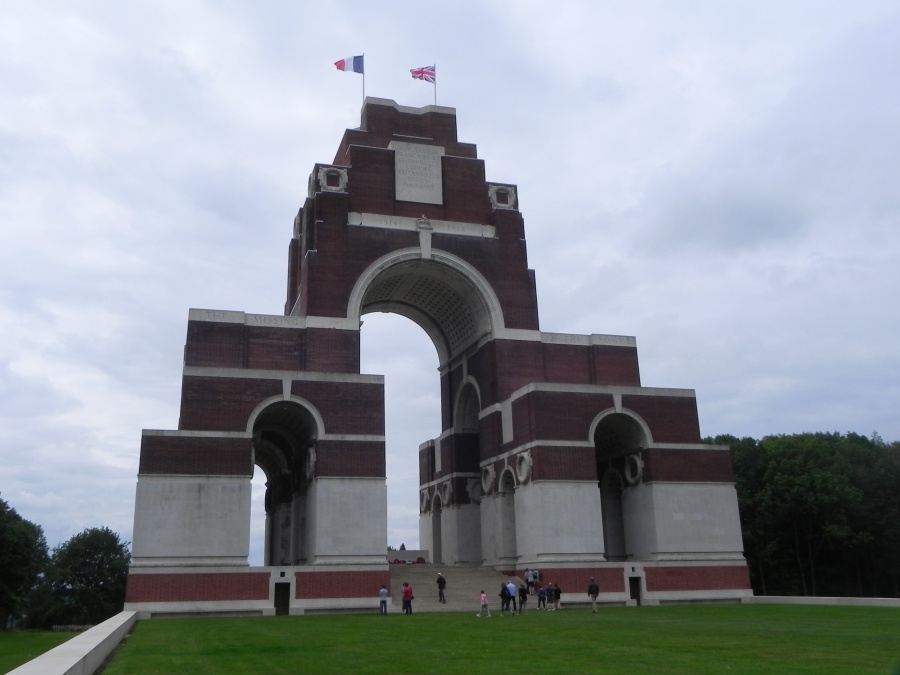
[
  {"x": 820, "y": 513},
  {"x": 84, "y": 582},
  {"x": 23, "y": 554}
]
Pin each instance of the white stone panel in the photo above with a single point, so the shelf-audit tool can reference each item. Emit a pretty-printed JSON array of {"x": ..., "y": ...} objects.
[
  {"x": 350, "y": 517},
  {"x": 490, "y": 524},
  {"x": 559, "y": 520},
  {"x": 199, "y": 519},
  {"x": 639, "y": 521},
  {"x": 682, "y": 520},
  {"x": 698, "y": 517},
  {"x": 425, "y": 534},
  {"x": 460, "y": 535},
  {"x": 417, "y": 172}
]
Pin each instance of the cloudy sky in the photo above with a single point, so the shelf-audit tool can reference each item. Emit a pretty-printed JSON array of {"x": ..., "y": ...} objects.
[{"x": 718, "y": 179}]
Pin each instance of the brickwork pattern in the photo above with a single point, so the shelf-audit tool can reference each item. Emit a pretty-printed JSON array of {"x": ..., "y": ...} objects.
[
  {"x": 702, "y": 466},
  {"x": 355, "y": 459},
  {"x": 671, "y": 419},
  {"x": 706, "y": 578},
  {"x": 196, "y": 456},
  {"x": 188, "y": 587},
  {"x": 319, "y": 585}
]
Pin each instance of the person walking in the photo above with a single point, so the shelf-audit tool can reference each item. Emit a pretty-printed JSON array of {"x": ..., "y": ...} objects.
[
  {"x": 441, "y": 584},
  {"x": 504, "y": 598},
  {"x": 542, "y": 597},
  {"x": 523, "y": 597},
  {"x": 511, "y": 589},
  {"x": 557, "y": 597},
  {"x": 382, "y": 600},
  {"x": 485, "y": 610},
  {"x": 593, "y": 592},
  {"x": 408, "y": 597}
]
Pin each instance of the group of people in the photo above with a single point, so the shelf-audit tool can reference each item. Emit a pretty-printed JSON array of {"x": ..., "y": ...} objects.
[{"x": 509, "y": 595}]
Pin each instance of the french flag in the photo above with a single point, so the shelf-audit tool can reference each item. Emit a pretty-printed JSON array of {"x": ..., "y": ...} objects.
[{"x": 352, "y": 64}]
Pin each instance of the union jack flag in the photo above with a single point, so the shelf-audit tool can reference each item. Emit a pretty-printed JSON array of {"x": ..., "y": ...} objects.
[{"x": 424, "y": 73}]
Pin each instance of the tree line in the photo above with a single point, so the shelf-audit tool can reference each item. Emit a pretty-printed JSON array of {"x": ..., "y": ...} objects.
[
  {"x": 79, "y": 582},
  {"x": 820, "y": 513}
]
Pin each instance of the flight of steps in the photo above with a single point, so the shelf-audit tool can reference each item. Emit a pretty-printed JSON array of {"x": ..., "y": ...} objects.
[{"x": 464, "y": 585}]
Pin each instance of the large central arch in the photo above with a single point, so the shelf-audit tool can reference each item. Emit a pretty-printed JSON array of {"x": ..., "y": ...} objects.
[
  {"x": 551, "y": 453},
  {"x": 447, "y": 297}
]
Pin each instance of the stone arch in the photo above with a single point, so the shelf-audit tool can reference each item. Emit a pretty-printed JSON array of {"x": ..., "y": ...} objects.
[
  {"x": 467, "y": 406},
  {"x": 618, "y": 438},
  {"x": 621, "y": 429},
  {"x": 445, "y": 295},
  {"x": 285, "y": 433}
]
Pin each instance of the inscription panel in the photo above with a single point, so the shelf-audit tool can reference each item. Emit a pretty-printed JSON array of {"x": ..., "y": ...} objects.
[{"x": 417, "y": 172}]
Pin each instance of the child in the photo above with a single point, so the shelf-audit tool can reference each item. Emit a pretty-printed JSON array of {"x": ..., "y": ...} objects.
[{"x": 484, "y": 605}]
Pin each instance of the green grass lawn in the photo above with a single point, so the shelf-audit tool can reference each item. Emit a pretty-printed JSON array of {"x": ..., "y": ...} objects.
[
  {"x": 687, "y": 639},
  {"x": 18, "y": 647}
]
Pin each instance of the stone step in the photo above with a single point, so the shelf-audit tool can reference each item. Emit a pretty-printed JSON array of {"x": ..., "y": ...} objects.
[{"x": 464, "y": 586}]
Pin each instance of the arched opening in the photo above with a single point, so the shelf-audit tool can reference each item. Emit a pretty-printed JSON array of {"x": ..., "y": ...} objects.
[
  {"x": 284, "y": 441},
  {"x": 397, "y": 348},
  {"x": 257, "y": 517},
  {"x": 454, "y": 306},
  {"x": 618, "y": 441}
]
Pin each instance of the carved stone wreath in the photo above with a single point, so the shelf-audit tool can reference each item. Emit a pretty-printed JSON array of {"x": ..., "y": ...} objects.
[
  {"x": 446, "y": 492},
  {"x": 503, "y": 197},
  {"x": 488, "y": 476},
  {"x": 424, "y": 502},
  {"x": 634, "y": 469},
  {"x": 523, "y": 467},
  {"x": 335, "y": 175},
  {"x": 310, "y": 466},
  {"x": 474, "y": 490}
]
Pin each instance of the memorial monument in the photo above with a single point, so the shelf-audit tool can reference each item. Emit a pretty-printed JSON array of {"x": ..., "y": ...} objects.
[{"x": 552, "y": 454}]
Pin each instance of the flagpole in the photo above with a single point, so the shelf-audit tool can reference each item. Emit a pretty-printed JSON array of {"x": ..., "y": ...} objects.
[
  {"x": 435, "y": 83},
  {"x": 364, "y": 78}
]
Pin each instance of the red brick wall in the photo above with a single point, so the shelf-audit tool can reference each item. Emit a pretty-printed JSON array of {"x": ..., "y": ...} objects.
[
  {"x": 615, "y": 366},
  {"x": 214, "y": 345},
  {"x": 563, "y": 416},
  {"x": 567, "y": 363},
  {"x": 273, "y": 348},
  {"x": 350, "y": 458},
  {"x": 318, "y": 585},
  {"x": 671, "y": 419},
  {"x": 197, "y": 587},
  {"x": 222, "y": 403},
  {"x": 346, "y": 407},
  {"x": 704, "y": 466},
  {"x": 330, "y": 351},
  {"x": 196, "y": 456},
  {"x": 697, "y": 578},
  {"x": 561, "y": 463}
]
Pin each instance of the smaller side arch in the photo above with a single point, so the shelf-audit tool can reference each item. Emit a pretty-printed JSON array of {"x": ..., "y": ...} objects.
[
  {"x": 466, "y": 406},
  {"x": 302, "y": 402},
  {"x": 507, "y": 481},
  {"x": 622, "y": 419}
]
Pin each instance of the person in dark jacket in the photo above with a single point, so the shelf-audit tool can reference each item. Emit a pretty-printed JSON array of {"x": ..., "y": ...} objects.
[
  {"x": 441, "y": 584},
  {"x": 593, "y": 592}
]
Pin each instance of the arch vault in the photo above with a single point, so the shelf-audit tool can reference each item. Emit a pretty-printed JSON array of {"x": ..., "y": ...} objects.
[{"x": 552, "y": 454}]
